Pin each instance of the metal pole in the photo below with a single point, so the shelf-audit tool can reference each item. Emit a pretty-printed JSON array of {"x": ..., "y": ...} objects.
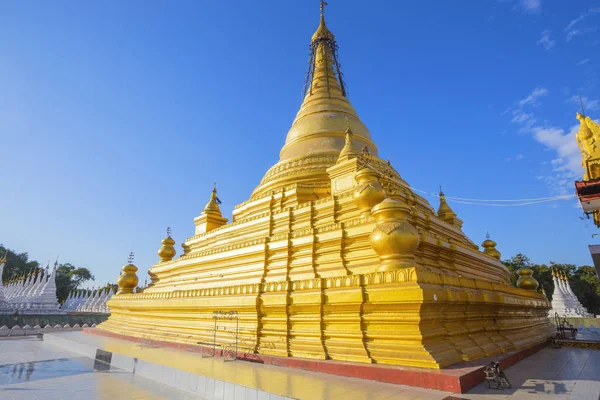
[
  {"x": 215, "y": 338},
  {"x": 237, "y": 324}
]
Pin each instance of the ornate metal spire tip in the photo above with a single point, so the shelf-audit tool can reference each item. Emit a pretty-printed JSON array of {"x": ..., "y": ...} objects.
[
  {"x": 487, "y": 235},
  {"x": 130, "y": 258},
  {"x": 322, "y": 7},
  {"x": 169, "y": 231}
]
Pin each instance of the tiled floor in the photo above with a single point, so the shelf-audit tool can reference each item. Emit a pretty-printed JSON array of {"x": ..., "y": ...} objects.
[
  {"x": 553, "y": 374},
  {"x": 32, "y": 370},
  {"x": 290, "y": 382}
]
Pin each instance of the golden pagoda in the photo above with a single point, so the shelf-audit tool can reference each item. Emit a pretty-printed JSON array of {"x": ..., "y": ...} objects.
[{"x": 334, "y": 257}]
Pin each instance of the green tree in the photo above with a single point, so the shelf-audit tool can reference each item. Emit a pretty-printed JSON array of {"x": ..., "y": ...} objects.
[
  {"x": 70, "y": 278},
  {"x": 586, "y": 286},
  {"x": 17, "y": 264}
]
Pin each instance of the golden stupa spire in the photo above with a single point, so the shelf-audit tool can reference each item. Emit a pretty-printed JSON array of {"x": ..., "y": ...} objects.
[
  {"x": 552, "y": 269},
  {"x": 319, "y": 126},
  {"x": 445, "y": 213},
  {"x": 212, "y": 207},
  {"x": 211, "y": 217}
]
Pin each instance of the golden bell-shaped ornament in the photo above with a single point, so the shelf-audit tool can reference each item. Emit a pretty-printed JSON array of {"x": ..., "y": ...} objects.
[
  {"x": 489, "y": 248},
  {"x": 167, "y": 250},
  {"x": 128, "y": 279},
  {"x": 394, "y": 239},
  {"x": 368, "y": 191},
  {"x": 526, "y": 280}
]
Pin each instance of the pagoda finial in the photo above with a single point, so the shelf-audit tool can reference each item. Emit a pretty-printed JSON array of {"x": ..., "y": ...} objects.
[
  {"x": 324, "y": 71},
  {"x": 130, "y": 258}
]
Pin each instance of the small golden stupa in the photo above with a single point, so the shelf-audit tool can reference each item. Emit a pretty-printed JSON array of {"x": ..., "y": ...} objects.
[{"x": 335, "y": 257}]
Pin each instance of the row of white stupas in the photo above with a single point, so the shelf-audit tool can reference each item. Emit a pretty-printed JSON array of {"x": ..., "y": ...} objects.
[
  {"x": 564, "y": 301},
  {"x": 33, "y": 294},
  {"x": 90, "y": 302}
]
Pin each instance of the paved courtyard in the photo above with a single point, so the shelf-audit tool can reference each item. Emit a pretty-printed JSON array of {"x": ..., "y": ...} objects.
[{"x": 34, "y": 369}]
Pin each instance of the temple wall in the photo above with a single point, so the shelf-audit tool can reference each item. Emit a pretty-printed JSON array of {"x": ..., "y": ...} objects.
[{"x": 43, "y": 320}]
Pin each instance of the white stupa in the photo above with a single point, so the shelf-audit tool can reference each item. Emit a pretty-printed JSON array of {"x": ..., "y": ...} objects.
[
  {"x": 564, "y": 301},
  {"x": 33, "y": 294},
  {"x": 4, "y": 307},
  {"x": 89, "y": 302}
]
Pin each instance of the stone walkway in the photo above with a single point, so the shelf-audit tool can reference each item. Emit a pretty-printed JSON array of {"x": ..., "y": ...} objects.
[
  {"x": 32, "y": 370},
  {"x": 551, "y": 374}
]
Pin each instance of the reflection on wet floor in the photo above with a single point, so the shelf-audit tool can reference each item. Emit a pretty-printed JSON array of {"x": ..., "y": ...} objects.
[
  {"x": 33, "y": 370},
  {"x": 36, "y": 370}
]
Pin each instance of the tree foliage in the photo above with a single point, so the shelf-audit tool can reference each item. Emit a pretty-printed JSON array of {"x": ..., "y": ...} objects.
[
  {"x": 583, "y": 280},
  {"x": 68, "y": 277}
]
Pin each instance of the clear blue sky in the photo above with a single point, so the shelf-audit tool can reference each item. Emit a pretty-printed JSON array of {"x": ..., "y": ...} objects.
[{"x": 116, "y": 117}]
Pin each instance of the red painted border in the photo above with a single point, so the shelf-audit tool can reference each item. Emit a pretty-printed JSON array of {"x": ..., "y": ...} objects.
[{"x": 457, "y": 378}]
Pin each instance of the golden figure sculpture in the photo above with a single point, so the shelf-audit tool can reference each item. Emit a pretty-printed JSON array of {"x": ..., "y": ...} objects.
[
  {"x": 588, "y": 139},
  {"x": 318, "y": 265}
]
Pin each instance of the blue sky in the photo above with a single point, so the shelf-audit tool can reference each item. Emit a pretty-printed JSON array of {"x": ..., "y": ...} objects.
[{"x": 117, "y": 117}]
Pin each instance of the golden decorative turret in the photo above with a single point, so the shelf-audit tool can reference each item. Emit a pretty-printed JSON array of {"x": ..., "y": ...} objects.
[
  {"x": 368, "y": 192},
  {"x": 128, "y": 279},
  {"x": 394, "y": 239},
  {"x": 445, "y": 213},
  {"x": 167, "y": 250},
  {"x": 153, "y": 278},
  {"x": 489, "y": 248},
  {"x": 349, "y": 150},
  {"x": 211, "y": 217},
  {"x": 186, "y": 248}
]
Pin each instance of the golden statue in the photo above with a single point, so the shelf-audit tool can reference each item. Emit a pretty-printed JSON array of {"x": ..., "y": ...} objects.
[
  {"x": 333, "y": 256},
  {"x": 588, "y": 139}
]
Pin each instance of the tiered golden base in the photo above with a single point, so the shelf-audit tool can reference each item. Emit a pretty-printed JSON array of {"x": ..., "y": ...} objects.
[{"x": 411, "y": 317}]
